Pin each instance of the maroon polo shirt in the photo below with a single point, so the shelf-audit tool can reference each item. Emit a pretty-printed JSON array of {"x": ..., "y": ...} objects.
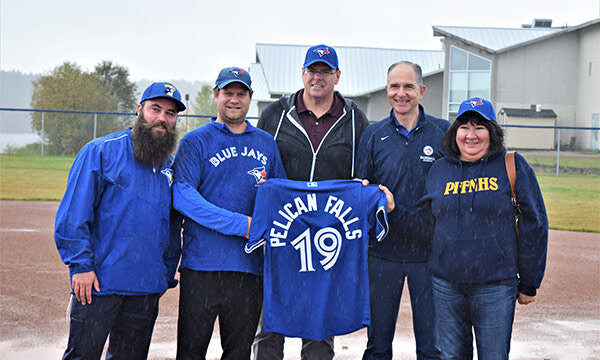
[{"x": 317, "y": 128}]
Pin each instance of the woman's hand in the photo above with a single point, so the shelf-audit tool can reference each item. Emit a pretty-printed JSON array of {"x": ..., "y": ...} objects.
[{"x": 525, "y": 299}]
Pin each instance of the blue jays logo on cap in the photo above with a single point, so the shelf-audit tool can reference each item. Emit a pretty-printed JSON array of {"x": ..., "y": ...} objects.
[
  {"x": 170, "y": 89},
  {"x": 233, "y": 74},
  {"x": 321, "y": 52},
  {"x": 475, "y": 102},
  {"x": 163, "y": 90}
]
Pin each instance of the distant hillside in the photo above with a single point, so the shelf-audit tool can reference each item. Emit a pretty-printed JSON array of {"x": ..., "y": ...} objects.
[
  {"x": 16, "y": 89},
  {"x": 15, "y": 92}
]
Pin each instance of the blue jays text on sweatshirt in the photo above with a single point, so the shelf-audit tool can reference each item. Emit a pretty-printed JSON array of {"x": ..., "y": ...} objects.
[
  {"x": 114, "y": 219},
  {"x": 474, "y": 238},
  {"x": 217, "y": 173},
  {"x": 386, "y": 156}
]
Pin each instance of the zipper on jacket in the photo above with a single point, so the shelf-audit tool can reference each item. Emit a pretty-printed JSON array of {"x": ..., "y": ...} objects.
[{"x": 303, "y": 131}]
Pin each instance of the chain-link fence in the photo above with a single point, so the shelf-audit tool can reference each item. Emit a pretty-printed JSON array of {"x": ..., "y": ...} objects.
[{"x": 64, "y": 132}]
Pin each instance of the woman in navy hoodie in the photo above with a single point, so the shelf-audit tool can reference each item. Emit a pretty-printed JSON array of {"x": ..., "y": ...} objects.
[{"x": 480, "y": 266}]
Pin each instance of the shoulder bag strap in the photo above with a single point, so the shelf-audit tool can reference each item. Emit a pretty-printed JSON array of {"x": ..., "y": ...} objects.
[{"x": 511, "y": 171}]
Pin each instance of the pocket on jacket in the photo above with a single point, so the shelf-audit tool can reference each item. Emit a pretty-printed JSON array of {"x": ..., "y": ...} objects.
[{"x": 471, "y": 259}]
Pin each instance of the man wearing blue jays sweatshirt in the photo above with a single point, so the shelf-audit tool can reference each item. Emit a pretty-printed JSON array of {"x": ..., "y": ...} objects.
[
  {"x": 218, "y": 169},
  {"x": 398, "y": 152},
  {"x": 113, "y": 231}
]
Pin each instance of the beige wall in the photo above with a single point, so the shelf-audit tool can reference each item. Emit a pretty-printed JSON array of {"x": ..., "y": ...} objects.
[
  {"x": 432, "y": 101},
  {"x": 588, "y": 82}
]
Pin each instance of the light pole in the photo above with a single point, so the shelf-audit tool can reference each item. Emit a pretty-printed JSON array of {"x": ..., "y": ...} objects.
[{"x": 187, "y": 109}]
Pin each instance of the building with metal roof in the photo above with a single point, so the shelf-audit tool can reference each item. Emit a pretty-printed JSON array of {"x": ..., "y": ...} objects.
[
  {"x": 363, "y": 72},
  {"x": 557, "y": 67}
]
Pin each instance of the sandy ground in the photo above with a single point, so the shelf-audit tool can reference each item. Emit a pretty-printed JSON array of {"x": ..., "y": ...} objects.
[{"x": 564, "y": 322}]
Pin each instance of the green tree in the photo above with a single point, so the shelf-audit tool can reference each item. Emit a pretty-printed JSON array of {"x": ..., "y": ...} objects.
[
  {"x": 67, "y": 87},
  {"x": 204, "y": 105},
  {"x": 116, "y": 78}
]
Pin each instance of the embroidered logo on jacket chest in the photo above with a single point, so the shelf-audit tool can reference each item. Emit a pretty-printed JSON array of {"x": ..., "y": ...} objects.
[{"x": 169, "y": 174}]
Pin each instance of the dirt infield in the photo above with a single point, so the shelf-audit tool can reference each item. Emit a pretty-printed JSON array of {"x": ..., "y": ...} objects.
[{"x": 564, "y": 322}]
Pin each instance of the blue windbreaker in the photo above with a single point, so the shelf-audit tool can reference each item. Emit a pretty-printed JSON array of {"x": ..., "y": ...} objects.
[{"x": 114, "y": 219}]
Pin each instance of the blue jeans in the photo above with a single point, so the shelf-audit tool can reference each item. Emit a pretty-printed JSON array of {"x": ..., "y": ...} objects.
[
  {"x": 489, "y": 309},
  {"x": 128, "y": 319},
  {"x": 386, "y": 281}
]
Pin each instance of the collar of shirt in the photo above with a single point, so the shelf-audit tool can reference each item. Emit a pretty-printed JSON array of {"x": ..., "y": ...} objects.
[
  {"x": 223, "y": 127},
  {"x": 401, "y": 127},
  {"x": 335, "y": 111},
  {"x": 316, "y": 128}
]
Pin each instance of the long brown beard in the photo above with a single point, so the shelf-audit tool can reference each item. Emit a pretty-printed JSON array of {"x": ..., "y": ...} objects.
[{"x": 152, "y": 147}]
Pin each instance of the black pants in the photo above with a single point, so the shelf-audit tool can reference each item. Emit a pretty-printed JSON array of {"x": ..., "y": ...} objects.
[
  {"x": 128, "y": 319},
  {"x": 235, "y": 297}
]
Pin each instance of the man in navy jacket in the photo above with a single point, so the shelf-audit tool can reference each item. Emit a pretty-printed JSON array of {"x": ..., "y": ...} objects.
[
  {"x": 113, "y": 231},
  {"x": 398, "y": 152}
]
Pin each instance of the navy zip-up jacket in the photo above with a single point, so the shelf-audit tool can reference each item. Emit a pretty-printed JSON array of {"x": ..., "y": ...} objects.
[
  {"x": 386, "y": 156},
  {"x": 335, "y": 156}
]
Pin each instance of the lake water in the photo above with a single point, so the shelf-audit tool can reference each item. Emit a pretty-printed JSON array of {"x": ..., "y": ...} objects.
[{"x": 17, "y": 139}]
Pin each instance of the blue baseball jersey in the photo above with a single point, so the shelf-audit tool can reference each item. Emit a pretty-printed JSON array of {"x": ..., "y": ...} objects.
[{"x": 315, "y": 268}]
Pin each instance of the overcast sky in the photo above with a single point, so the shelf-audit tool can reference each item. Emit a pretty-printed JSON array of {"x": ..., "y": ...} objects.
[{"x": 194, "y": 39}]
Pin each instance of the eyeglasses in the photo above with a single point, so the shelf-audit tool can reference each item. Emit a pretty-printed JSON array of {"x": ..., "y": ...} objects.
[{"x": 312, "y": 72}]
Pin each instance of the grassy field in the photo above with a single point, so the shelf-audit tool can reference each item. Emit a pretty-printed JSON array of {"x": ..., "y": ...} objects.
[
  {"x": 33, "y": 177},
  {"x": 568, "y": 160},
  {"x": 572, "y": 201}
]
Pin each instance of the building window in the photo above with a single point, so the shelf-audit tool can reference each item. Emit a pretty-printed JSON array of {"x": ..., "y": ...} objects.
[{"x": 469, "y": 77}]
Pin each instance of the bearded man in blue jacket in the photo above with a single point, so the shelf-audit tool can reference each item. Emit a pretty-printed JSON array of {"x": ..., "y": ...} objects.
[
  {"x": 398, "y": 152},
  {"x": 115, "y": 230}
]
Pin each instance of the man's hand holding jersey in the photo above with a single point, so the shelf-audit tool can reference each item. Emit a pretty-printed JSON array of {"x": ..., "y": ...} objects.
[{"x": 390, "y": 204}]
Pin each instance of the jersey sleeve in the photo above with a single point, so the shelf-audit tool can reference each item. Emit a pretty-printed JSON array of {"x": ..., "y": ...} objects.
[
  {"x": 381, "y": 220},
  {"x": 260, "y": 218},
  {"x": 188, "y": 201},
  {"x": 75, "y": 216}
]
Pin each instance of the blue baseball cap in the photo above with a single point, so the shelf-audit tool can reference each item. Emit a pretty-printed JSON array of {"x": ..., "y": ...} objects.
[
  {"x": 480, "y": 106},
  {"x": 321, "y": 53},
  {"x": 233, "y": 74},
  {"x": 163, "y": 90}
]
